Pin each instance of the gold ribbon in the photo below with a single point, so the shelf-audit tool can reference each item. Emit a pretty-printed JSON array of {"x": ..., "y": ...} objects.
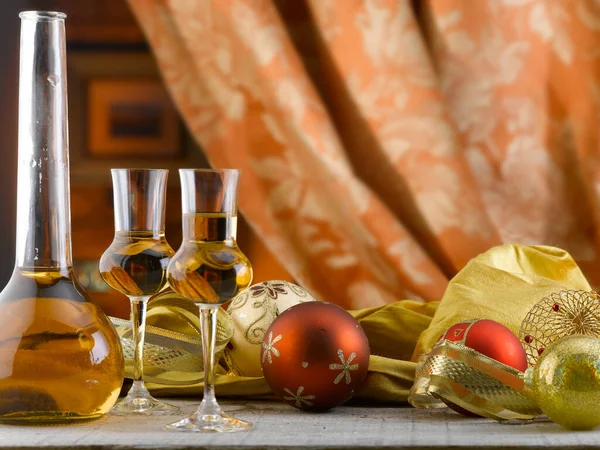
[
  {"x": 173, "y": 347},
  {"x": 465, "y": 377}
]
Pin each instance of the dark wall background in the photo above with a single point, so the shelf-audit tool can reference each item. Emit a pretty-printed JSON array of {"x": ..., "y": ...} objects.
[{"x": 9, "y": 71}]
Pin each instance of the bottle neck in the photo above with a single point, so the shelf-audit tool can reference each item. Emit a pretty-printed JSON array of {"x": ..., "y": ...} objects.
[{"x": 43, "y": 204}]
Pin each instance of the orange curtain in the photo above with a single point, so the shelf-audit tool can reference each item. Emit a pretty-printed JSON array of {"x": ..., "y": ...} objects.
[{"x": 384, "y": 143}]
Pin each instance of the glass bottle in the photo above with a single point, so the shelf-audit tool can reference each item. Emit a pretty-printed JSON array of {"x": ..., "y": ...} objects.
[{"x": 60, "y": 357}]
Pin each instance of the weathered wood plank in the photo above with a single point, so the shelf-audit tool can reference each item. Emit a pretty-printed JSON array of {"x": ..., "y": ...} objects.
[{"x": 278, "y": 426}]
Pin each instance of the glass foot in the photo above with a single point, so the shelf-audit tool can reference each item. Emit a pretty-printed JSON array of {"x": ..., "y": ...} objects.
[
  {"x": 139, "y": 402},
  {"x": 144, "y": 406},
  {"x": 211, "y": 423}
]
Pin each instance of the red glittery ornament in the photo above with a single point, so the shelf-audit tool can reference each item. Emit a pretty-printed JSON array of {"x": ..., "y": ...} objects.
[
  {"x": 489, "y": 338},
  {"x": 314, "y": 356}
]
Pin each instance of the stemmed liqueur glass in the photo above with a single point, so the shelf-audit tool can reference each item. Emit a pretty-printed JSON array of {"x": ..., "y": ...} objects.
[
  {"x": 209, "y": 269},
  {"x": 135, "y": 264}
]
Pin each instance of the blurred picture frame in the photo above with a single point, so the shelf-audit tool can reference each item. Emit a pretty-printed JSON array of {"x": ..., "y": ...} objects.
[
  {"x": 120, "y": 112},
  {"x": 131, "y": 117}
]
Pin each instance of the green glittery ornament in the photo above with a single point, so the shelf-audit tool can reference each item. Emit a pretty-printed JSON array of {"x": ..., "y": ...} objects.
[{"x": 566, "y": 382}]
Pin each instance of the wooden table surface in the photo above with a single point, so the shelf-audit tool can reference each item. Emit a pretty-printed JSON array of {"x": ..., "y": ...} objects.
[{"x": 279, "y": 426}]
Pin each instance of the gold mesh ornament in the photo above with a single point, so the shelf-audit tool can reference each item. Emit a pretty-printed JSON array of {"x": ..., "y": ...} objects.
[{"x": 564, "y": 313}]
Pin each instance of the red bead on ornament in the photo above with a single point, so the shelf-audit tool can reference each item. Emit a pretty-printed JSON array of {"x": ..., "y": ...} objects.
[{"x": 314, "y": 356}]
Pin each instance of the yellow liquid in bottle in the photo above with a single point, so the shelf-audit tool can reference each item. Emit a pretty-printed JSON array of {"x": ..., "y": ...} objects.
[{"x": 60, "y": 358}]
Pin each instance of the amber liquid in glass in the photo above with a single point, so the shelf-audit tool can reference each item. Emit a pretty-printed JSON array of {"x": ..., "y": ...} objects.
[
  {"x": 136, "y": 262},
  {"x": 209, "y": 267},
  {"x": 60, "y": 359}
]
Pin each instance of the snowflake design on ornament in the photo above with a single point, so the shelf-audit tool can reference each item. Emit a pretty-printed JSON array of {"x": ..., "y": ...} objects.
[
  {"x": 270, "y": 348},
  {"x": 345, "y": 367},
  {"x": 299, "y": 398}
]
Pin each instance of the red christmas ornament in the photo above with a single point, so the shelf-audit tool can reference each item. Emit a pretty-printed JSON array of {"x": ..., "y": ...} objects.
[
  {"x": 489, "y": 338},
  {"x": 314, "y": 356}
]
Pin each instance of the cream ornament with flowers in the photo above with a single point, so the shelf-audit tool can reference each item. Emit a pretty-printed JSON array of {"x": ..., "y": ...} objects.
[{"x": 252, "y": 312}]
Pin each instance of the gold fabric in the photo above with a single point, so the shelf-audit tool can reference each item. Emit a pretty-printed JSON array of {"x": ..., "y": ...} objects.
[
  {"x": 501, "y": 284},
  {"x": 173, "y": 347},
  {"x": 392, "y": 331}
]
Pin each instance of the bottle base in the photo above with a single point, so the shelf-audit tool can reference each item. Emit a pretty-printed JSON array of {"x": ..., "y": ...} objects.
[{"x": 46, "y": 418}]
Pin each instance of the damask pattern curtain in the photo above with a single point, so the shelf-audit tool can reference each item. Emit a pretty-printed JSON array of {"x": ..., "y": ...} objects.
[{"x": 384, "y": 143}]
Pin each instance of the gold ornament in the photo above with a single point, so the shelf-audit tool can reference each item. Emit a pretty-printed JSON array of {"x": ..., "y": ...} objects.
[
  {"x": 564, "y": 313},
  {"x": 566, "y": 382}
]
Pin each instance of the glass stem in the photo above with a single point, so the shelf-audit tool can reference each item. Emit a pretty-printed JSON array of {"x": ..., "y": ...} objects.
[
  {"x": 139, "y": 306},
  {"x": 208, "y": 327}
]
